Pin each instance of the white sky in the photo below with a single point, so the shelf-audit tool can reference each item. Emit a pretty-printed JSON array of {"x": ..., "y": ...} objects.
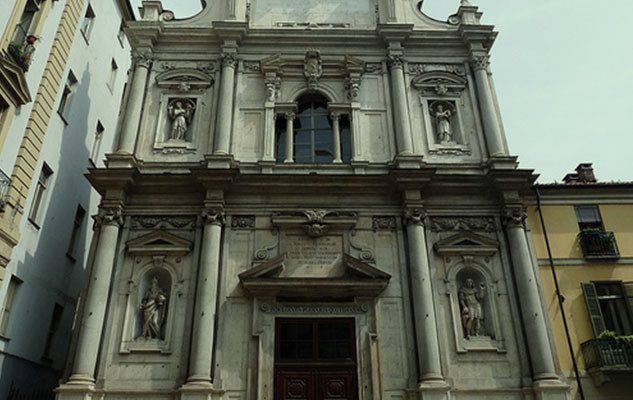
[{"x": 563, "y": 72}]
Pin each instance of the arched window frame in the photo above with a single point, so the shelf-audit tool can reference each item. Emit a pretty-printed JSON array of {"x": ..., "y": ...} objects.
[{"x": 306, "y": 119}]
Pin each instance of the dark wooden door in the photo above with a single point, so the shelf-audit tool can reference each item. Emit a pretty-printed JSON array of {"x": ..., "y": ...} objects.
[{"x": 315, "y": 359}]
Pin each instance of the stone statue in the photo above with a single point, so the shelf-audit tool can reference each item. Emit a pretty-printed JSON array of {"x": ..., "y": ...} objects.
[
  {"x": 470, "y": 302},
  {"x": 153, "y": 311},
  {"x": 313, "y": 68},
  {"x": 443, "y": 120},
  {"x": 181, "y": 118}
]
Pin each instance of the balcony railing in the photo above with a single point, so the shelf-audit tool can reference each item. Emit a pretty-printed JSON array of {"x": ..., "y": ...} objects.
[
  {"x": 608, "y": 354},
  {"x": 5, "y": 182},
  {"x": 596, "y": 243}
]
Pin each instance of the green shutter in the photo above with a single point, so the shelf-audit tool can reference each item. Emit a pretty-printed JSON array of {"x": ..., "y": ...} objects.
[{"x": 593, "y": 307}]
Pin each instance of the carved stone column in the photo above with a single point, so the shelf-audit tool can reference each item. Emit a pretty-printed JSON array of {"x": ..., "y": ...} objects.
[
  {"x": 131, "y": 121},
  {"x": 290, "y": 118},
  {"x": 422, "y": 295},
  {"x": 224, "y": 118},
  {"x": 336, "y": 137},
  {"x": 94, "y": 310},
  {"x": 492, "y": 126},
  {"x": 534, "y": 319},
  {"x": 400, "y": 105},
  {"x": 205, "y": 303}
]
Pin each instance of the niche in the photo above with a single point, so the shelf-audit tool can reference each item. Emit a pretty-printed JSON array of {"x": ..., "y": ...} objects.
[{"x": 153, "y": 297}]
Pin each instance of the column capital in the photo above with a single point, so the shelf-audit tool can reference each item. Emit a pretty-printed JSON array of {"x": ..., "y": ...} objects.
[
  {"x": 213, "y": 216},
  {"x": 479, "y": 61},
  {"x": 108, "y": 216},
  {"x": 144, "y": 60},
  {"x": 228, "y": 59},
  {"x": 514, "y": 216},
  {"x": 335, "y": 115},
  {"x": 290, "y": 115},
  {"x": 395, "y": 60},
  {"x": 414, "y": 216}
]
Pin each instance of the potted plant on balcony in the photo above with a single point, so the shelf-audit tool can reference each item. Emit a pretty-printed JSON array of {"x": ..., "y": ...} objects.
[
  {"x": 618, "y": 352},
  {"x": 22, "y": 53}
]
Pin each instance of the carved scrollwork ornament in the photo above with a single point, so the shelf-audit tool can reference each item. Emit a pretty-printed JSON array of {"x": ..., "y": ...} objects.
[
  {"x": 272, "y": 88},
  {"x": 213, "y": 216},
  {"x": 229, "y": 59},
  {"x": 414, "y": 216},
  {"x": 313, "y": 68},
  {"x": 290, "y": 116},
  {"x": 479, "y": 62},
  {"x": 514, "y": 217}
]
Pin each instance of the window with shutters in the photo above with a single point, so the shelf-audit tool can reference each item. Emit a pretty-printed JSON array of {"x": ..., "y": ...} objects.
[
  {"x": 595, "y": 241},
  {"x": 608, "y": 305}
]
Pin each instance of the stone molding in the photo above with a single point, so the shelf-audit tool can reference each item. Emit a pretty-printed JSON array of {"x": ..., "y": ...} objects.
[
  {"x": 485, "y": 224},
  {"x": 162, "y": 222},
  {"x": 279, "y": 308}
]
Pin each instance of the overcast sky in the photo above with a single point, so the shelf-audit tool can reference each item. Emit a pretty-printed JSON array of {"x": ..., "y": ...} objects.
[{"x": 563, "y": 72}]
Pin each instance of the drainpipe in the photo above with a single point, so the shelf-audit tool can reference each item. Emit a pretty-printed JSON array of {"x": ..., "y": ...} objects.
[{"x": 559, "y": 296}]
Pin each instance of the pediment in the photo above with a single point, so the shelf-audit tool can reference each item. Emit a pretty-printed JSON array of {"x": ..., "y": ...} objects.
[
  {"x": 274, "y": 63},
  {"x": 439, "y": 83},
  {"x": 159, "y": 242},
  {"x": 467, "y": 243},
  {"x": 13, "y": 82},
  {"x": 176, "y": 77},
  {"x": 358, "y": 279}
]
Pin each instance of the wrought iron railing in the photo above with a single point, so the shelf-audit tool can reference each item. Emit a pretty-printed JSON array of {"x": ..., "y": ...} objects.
[
  {"x": 608, "y": 354},
  {"x": 5, "y": 182},
  {"x": 596, "y": 243}
]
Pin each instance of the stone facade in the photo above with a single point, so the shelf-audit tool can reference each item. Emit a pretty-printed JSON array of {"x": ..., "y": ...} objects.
[{"x": 286, "y": 166}]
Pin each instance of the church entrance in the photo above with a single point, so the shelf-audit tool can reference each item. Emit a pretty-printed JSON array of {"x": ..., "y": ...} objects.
[{"x": 315, "y": 359}]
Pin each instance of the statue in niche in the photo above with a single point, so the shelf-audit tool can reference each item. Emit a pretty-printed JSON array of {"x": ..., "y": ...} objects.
[
  {"x": 181, "y": 116},
  {"x": 443, "y": 123},
  {"x": 153, "y": 311},
  {"x": 470, "y": 302}
]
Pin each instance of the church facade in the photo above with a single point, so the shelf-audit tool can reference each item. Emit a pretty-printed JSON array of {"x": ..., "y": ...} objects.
[{"x": 312, "y": 201}]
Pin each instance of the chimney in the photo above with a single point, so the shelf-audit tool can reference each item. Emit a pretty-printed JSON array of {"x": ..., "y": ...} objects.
[{"x": 584, "y": 174}]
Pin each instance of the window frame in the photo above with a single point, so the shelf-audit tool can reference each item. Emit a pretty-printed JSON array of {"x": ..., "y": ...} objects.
[
  {"x": 595, "y": 310},
  {"x": 39, "y": 196},
  {"x": 32, "y": 8},
  {"x": 53, "y": 328},
  {"x": 87, "y": 23},
  {"x": 75, "y": 233},
  {"x": 67, "y": 94},
  {"x": 9, "y": 302}
]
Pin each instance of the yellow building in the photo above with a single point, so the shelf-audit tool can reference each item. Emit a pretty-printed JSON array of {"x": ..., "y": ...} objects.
[{"x": 589, "y": 228}]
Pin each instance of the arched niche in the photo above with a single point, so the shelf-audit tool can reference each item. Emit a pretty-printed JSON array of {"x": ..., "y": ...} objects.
[{"x": 153, "y": 296}]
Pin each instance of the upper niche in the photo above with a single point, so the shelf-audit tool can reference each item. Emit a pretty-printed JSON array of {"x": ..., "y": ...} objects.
[
  {"x": 310, "y": 14},
  {"x": 357, "y": 278}
]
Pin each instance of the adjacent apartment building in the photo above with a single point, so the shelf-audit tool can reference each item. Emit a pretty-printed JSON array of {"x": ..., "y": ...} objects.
[
  {"x": 312, "y": 200},
  {"x": 588, "y": 226},
  {"x": 63, "y": 67}
]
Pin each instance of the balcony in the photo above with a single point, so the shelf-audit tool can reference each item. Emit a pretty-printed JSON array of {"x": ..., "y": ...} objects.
[
  {"x": 5, "y": 182},
  {"x": 598, "y": 244},
  {"x": 604, "y": 355}
]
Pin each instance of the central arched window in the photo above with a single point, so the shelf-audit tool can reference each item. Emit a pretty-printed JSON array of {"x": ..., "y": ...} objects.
[{"x": 319, "y": 136}]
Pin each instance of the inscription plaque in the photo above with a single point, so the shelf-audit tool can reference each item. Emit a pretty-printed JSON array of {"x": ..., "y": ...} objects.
[{"x": 314, "y": 257}]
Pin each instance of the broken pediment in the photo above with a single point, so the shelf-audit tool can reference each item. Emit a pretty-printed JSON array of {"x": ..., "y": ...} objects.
[
  {"x": 271, "y": 278},
  {"x": 159, "y": 242},
  {"x": 467, "y": 243}
]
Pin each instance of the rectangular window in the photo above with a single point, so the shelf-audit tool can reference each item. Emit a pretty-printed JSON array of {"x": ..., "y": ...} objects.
[
  {"x": 588, "y": 217},
  {"x": 64, "y": 103},
  {"x": 609, "y": 307},
  {"x": 88, "y": 22},
  {"x": 76, "y": 232},
  {"x": 96, "y": 144},
  {"x": 25, "y": 26},
  {"x": 12, "y": 290},
  {"x": 114, "y": 69},
  {"x": 38, "y": 197},
  {"x": 121, "y": 34},
  {"x": 53, "y": 327}
]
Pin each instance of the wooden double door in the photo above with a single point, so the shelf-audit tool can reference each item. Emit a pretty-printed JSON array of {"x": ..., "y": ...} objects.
[{"x": 315, "y": 359}]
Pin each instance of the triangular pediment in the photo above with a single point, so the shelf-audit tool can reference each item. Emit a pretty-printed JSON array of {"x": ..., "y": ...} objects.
[
  {"x": 467, "y": 243},
  {"x": 358, "y": 279},
  {"x": 159, "y": 242}
]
